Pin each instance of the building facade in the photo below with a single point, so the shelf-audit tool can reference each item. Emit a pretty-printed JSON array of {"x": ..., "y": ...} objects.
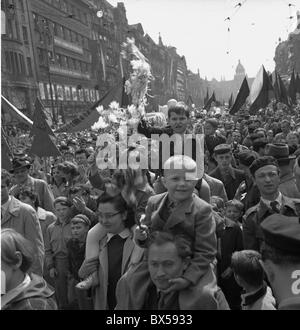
[
  {"x": 67, "y": 52},
  {"x": 287, "y": 53}
]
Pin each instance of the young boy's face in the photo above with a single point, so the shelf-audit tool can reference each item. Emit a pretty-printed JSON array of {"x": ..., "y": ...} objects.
[
  {"x": 232, "y": 213},
  {"x": 178, "y": 122},
  {"x": 179, "y": 188},
  {"x": 79, "y": 230}
]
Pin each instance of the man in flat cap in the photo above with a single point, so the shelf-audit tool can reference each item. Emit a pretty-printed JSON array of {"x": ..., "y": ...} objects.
[
  {"x": 265, "y": 172},
  {"x": 20, "y": 169},
  {"x": 281, "y": 259},
  {"x": 280, "y": 151},
  {"x": 230, "y": 176}
]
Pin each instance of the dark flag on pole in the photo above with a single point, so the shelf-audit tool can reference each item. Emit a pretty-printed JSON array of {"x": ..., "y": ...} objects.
[
  {"x": 241, "y": 97},
  {"x": 206, "y": 98},
  {"x": 292, "y": 89},
  {"x": 231, "y": 101},
  {"x": 39, "y": 119},
  {"x": 261, "y": 91},
  {"x": 297, "y": 83},
  {"x": 209, "y": 102},
  {"x": 280, "y": 90},
  {"x": 43, "y": 144}
]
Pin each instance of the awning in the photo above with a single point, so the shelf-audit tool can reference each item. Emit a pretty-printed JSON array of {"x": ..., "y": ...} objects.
[{"x": 15, "y": 112}]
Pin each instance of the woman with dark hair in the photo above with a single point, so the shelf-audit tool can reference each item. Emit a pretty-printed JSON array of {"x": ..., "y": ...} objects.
[
  {"x": 23, "y": 290},
  {"x": 57, "y": 182},
  {"x": 116, "y": 251}
]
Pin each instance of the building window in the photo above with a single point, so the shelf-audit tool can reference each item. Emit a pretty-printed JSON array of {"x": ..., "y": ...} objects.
[
  {"x": 64, "y": 61},
  {"x": 22, "y": 64},
  {"x": 29, "y": 67},
  {"x": 16, "y": 66},
  {"x": 9, "y": 29},
  {"x": 25, "y": 34},
  {"x": 58, "y": 59},
  {"x": 22, "y": 6},
  {"x": 67, "y": 34},
  {"x": 63, "y": 5},
  {"x": 8, "y": 66}
]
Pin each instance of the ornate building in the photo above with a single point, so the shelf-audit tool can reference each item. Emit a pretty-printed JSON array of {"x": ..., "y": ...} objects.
[
  {"x": 287, "y": 53},
  {"x": 224, "y": 88}
]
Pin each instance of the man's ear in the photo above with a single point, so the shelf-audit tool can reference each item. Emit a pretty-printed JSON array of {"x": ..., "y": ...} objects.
[{"x": 19, "y": 257}]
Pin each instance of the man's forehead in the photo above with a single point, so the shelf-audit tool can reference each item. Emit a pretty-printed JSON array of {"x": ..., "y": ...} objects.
[
  {"x": 166, "y": 251},
  {"x": 266, "y": 169}
]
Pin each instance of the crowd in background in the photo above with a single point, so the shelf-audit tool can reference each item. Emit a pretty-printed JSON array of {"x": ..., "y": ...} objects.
[{"x": 77, "y": 237}]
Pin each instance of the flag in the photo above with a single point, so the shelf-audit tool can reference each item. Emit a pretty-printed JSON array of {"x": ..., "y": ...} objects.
[
  {"x": 6, "y": 153},
  {"x": 17, "y": 114},
  {"x": 230, "y": 102},
  {"x": 39, "y": 119},
  {"x": 90, "y": 116},
  {"x": 209, "y": 102},
  {"x": 43, "y": 144},
  {"x": 297, "y": 83},
  {"x": 261, "y": 91},
  {"x": 280, "y": 90},
  {"x": 241, "y": 97},
  {"x": 292, "y": 89},
  {"x": 206, "y": 97}
]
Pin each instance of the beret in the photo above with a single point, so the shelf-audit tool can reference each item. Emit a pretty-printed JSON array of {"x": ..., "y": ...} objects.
[
  {"x": 222, "y": 149},
  {"x": 282, "y": 232},
  {"x": 261, "y": 162},
  {"x": 247, "y": 157},
  {"x": 213, "y": 122},
  {"x": 81, "y": 218}
]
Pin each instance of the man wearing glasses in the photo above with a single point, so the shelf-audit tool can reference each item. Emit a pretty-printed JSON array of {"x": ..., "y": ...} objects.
[{"x": 266, "y": 175}]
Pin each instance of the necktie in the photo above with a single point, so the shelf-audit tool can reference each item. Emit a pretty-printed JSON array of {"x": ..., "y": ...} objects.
[
  {"x": 161, "y": 298},
  {"x": 275, "y": 206}
]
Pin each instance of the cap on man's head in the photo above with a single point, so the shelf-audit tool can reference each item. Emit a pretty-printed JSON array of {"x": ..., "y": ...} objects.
[
  {"x": 213, "y": 122},
  {"x": 222, "y": 149},
  {"x": 247, "y": 157},
  {"x": 282, "y": 232},
  {"x": 261, "y": 162}
]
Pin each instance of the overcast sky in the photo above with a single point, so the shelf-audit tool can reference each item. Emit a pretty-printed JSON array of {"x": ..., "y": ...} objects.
[{"x": 197, "y": 28}]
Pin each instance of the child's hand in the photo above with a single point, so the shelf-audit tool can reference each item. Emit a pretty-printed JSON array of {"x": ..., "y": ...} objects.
[
  {"x": 141, "y": 233},
  {"x": 178, "y": 284},
  {"x": 227, "y": 273},
  {"x": 52, "y": 272}
]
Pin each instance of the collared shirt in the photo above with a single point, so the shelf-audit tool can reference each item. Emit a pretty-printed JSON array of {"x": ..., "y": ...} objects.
[
  {"x": 123, "y": 234},
  {"x": 278, "y": 200},
  {"x": 228, "y": 172},
  {"x": 10, "y": 295},
  {"x": 4, "y": 207}
]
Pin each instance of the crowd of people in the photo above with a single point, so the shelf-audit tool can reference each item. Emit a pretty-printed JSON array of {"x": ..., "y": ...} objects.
[{"x": 220, "y": 233}]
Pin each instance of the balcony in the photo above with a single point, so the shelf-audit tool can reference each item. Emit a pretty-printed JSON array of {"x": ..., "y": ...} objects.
[
  {"x": 67, "y": 72},
  {"x": 68, "y": 45}
]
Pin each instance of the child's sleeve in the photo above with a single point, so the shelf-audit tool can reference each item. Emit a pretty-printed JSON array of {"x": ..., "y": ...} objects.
[
  {"x": 95, "y": 234},
  {"x": 205, "y": 245}
]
